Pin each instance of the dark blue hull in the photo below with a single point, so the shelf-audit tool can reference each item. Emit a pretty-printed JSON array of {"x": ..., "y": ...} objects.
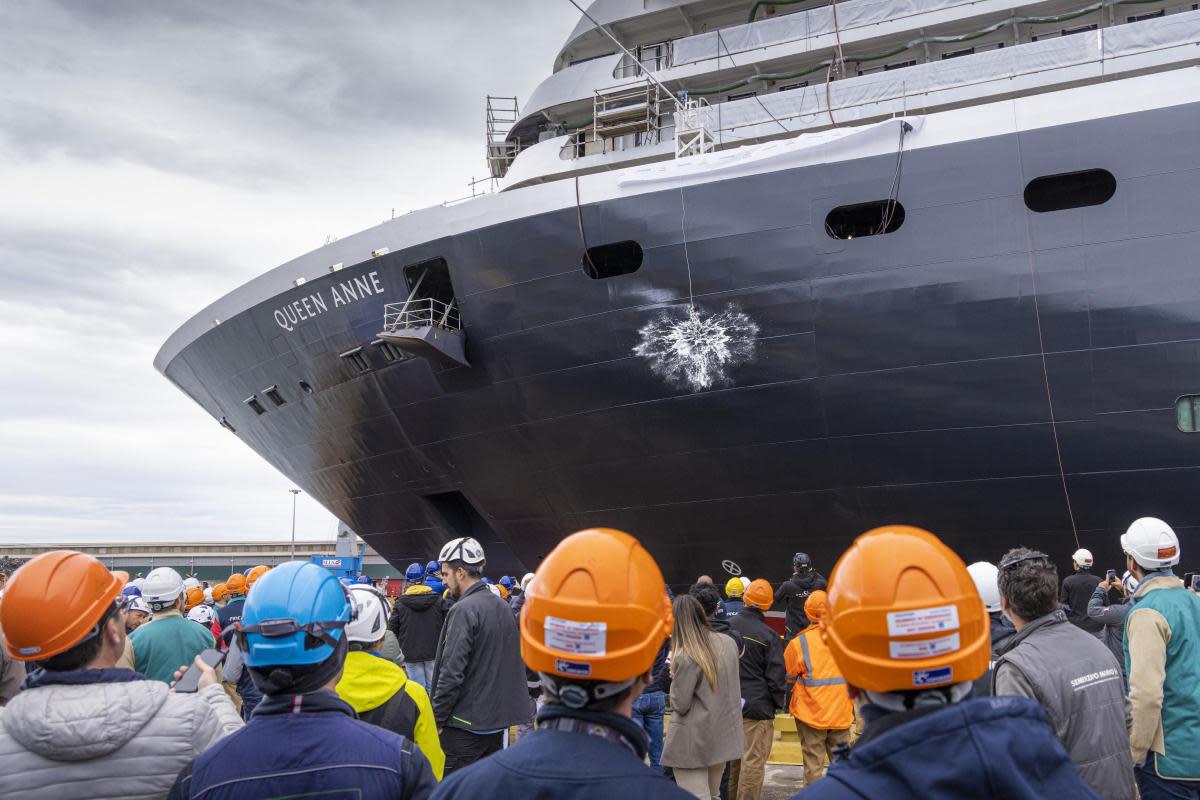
[{"x": 897, "y": 378}]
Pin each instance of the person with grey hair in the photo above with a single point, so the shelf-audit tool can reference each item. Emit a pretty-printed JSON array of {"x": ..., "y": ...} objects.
[
  {"x": 1068, "y": 671},
  {"x": 1112, "y": 616}
]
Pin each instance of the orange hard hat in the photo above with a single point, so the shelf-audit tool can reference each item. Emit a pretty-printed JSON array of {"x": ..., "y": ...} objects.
[
  {"x": 503, "y": 592},
  {"x": 256, "y": 573},
  {"x": 597, "y": 610},
  {"x": 122, "y": 576},
  {"x": 759, "y": 594},
  {"x": 904, "y": 613},
  {"x": 816, "y": 607},
  {"x": 54, "y": 602},
  {"x": 237, "y": 584},
  {"x": 219, "y": 591},
  {"x": 195, "y": 596}
]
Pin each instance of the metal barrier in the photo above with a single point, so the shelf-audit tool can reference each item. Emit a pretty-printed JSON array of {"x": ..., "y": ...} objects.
[{"x": 423, "y": 313}]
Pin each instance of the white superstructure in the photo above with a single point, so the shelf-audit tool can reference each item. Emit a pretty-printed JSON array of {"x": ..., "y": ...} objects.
[{"x": 776, "y": 68}]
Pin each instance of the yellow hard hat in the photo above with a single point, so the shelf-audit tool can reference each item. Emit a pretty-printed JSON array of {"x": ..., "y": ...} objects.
[{"x": 733, "y": 587}]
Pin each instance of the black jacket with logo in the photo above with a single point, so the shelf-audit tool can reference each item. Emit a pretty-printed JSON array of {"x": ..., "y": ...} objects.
[
  {"x": 764, "y": 679},
  {"x": 417, "y": 621},
  {"x": 792, "y": 594}
]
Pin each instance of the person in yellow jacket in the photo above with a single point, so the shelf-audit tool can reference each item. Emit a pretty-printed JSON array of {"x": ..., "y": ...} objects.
[
  {"x": 820, "y": 702},
  {"x": 378, "y": 689}
]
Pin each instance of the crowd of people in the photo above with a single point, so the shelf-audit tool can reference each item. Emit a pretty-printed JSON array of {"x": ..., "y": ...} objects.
[{"x": 907, "y": 674}]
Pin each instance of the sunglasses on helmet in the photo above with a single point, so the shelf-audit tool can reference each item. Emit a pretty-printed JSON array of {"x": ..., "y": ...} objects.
[{"x": 279, "y": 628}]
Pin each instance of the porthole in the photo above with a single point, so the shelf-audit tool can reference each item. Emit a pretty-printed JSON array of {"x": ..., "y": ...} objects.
[
  {"x": 306, "y": 387},
  {"x": 1187, "y": 413},
  {"x": 864, "y": 219},
  {"x": 611, "y": 260},
  {"x": 1090, "y": 187}
]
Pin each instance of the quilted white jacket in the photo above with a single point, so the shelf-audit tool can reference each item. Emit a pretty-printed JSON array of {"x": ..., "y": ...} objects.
[{"x": 106, "y": 741}]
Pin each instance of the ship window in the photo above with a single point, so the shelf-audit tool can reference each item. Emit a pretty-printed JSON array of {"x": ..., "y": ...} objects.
[
  {"x": 272, "y": 393},
  {"x": 1080, "y": 29},
  {"x": 1090, "y": 187},
  {"x": 306, "y": 387},
  {"x": 611, "y": 260},
  {"x": 742, "y": 96},
  {"x": 970, "y": 51},
  {"x": 787, "y": 87},
  {"x": 256, "y": 406},
  {"x": 357, "y": 359},
  {"x": 389, "y": 351},
  {"x": 1187, "y": 413},
  {"x": 227, "y": 425},
  {"x": 864, "y": 219},
  {"x": 1162, "y": 12}
]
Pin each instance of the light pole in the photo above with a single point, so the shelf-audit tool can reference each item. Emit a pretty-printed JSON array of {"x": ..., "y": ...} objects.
[{"x": 295, "y": 494}]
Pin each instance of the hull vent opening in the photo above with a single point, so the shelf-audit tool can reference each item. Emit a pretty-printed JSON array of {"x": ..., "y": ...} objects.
[
  {"x": 428, "y": 322},
  {"x": 864, "y": 219},
  {"x": 611, "y": 260},
  {"x": 254, "y": 404},
  {"x": 1090, "y": 187},
  {"x": 357, "y": 360},
  {"x": 272, "y": 393}
]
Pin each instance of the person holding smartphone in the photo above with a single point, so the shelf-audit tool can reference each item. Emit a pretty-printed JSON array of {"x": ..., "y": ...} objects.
[
  {"x": 83, "y": 729},
  {"x": 1112, "y": 615}
]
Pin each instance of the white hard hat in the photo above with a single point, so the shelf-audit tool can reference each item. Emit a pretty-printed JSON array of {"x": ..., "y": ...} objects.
[
  {"x": 138, "y": 604},
  {"x": 162, "y": 587},
  {"x": 191, "y": 583},
  {"x": 465, "y": 549},
  {"x": 371, "y": 610},
  {"x": 745, "y": 583},
  {"x": 138, "y": 582},
  {"x": 525, "y": 579},
  {"x": 208, "y": 598},
  {"x": 1082, "y": 557},
  {"x": 985, "y": 576},
  {"x": 202, "y": 614},
  {"x": 1128, "y": 582},
  {"x": 1151, "y": 543},
  {"x": 494, "y": 589}
]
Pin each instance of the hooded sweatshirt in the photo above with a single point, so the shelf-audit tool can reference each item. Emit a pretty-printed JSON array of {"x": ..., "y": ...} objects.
[
  {"x": 417, "y": 620},
  {"x": 383, "y": 695},
  {"x": 105, "y": 733}
]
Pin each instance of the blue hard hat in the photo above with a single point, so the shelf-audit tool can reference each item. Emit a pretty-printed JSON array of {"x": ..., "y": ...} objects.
[
  {"x": 487, "y": 580},
  {"x": 294, "y": 617},
  {"x": 433, "y": 568},
  {"x": 363, "y": 579},
  {"x": 345, "y": 581},
  {"x": 414, "y": 572},
  {"x": 131, "y": 591},
  {"x": 508, "y": 582}
]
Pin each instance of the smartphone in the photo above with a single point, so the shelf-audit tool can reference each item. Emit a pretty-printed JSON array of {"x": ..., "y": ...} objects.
[
  {"x": 1112, "y": 575},
  {"x": 1189, "y": 580},
  {"x": 1196, "y": 583},
  {"x": 187, "y": 684}
]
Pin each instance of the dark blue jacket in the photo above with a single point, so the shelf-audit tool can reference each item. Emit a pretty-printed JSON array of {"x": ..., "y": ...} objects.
[
  {"x": 992, "y": 747},
  {"x": 307, "y": 746},
  {"x": 552, "y": 764}
]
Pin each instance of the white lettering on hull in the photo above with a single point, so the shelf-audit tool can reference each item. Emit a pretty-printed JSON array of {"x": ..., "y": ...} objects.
[{"x": 314, "y": 304}]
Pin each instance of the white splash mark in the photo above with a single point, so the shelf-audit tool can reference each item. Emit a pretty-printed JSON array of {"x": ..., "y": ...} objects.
[{"x": 697, "y": 351}]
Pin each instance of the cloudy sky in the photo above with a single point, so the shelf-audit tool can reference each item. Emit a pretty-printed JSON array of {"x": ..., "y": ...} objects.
[{"x": 153, "y": 156}]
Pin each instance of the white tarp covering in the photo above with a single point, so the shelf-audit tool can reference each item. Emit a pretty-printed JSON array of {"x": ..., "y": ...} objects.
[
  {"x": 1024, "y": 67},
  {"x": 801, "y": 25}
]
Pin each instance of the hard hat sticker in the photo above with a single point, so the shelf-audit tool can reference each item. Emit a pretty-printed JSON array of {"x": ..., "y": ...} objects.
[
  {"x": 922, "y": 620},
  {"x": 924, "y": 648},
  {"x": 577, "y": 638},
  {"x": 579, "y": 669},
  {"x": 932, "y": 677}
]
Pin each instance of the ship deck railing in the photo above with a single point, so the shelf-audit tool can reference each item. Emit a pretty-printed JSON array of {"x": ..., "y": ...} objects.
[{"x": 425, "y": 312}]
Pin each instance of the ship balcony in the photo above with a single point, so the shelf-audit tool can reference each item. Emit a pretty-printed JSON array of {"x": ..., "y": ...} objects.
[{"x": 427, "y": 327}]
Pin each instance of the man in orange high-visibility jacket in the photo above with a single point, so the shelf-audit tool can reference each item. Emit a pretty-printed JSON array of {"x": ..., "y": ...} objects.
[{"x": 820, "y": 702}]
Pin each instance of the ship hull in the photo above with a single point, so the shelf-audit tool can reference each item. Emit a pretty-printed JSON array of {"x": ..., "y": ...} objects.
[{"x": 998, "y": 376}]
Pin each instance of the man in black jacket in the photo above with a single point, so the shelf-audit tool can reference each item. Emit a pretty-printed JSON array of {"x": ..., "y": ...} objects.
[
  {"x": 1077, "y": 590},
  {"x": 794, "y": 592},
  {"x": 416, "y": 619},
  {"x": 764, "y": 690},
  {"x": 478, "y": 684}
]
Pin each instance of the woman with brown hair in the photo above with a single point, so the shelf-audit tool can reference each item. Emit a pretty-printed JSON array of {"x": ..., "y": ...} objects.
[{"x": 706, "y": 726}]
